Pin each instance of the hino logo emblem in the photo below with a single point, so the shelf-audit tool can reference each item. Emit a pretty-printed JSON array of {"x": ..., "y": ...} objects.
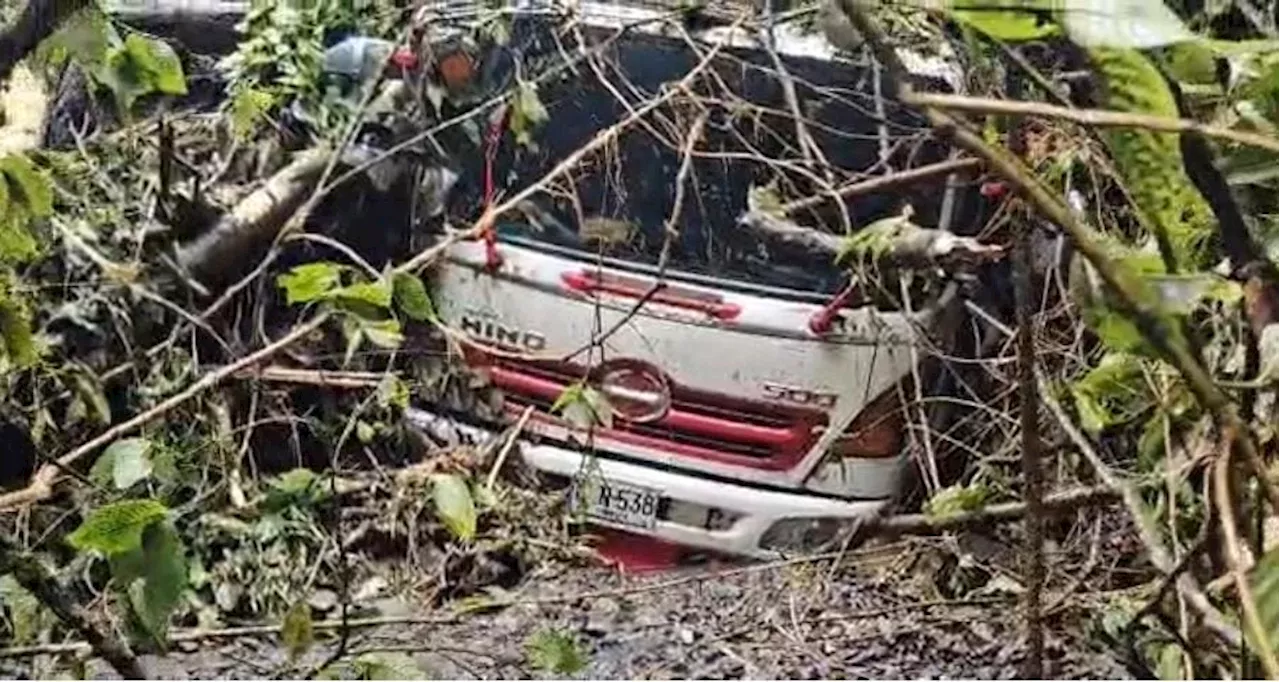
[{"x": 486, "y": 328}]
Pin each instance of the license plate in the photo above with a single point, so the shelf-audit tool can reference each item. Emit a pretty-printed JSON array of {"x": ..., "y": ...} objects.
[{"x": 620, "y": 503}]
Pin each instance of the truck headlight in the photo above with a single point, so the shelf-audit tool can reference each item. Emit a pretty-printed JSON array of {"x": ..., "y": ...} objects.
[{"x": 801, "y": 535}]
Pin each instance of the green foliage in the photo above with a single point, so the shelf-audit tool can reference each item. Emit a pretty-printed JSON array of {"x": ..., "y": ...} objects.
[
  {"x": 1091, "y": 23},
  {"x": 124, "y": 463},
  {"x": 17, "y": 343},
  {"x": 555, "y": 651},
  {"x": 296, "y": 632},
  {"x": 25, "y": 195},
  {"x": 1265, "y": 582},
  {"x": 454, "y": 505},
  {"x": 1111, "y": 393},
  {"x": 957, "y": 499},
  {"x": 130, "y": 66},
  {"x": 583, "y": 406},
  {"x": 147, "y": 557},
  {"x": 527, "y": 113},
  {"x": 365, "y": 306},
  {"x": 280, "y": 59},
  {"x": 139, "y": 66},
  {"x": 26, "y": 613},
  {"x": 1006, "y": 24},
  {"x": 1150, "y": 162},
  {"x": 412, "y": 298},
  {"x": 157, "y": 591},
  {"x": 117, "y": 527},
  {"x": 296, "y": 487},
  {"x": 310, "y": 282},
  {"x": 875, "y": 240}
]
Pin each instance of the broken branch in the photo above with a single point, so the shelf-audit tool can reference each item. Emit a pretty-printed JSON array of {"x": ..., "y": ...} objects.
[
  {"x": 909, "y": 244},
  {"x": 44, "y": 586},
  {"x": 1100, "y": 118},
  {"x": 41, "y": 486}
]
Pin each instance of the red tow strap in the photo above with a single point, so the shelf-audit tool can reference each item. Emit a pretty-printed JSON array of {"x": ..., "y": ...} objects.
[
  {"x": 493, "y": 138},
  {"x": 823, "y": 320}
]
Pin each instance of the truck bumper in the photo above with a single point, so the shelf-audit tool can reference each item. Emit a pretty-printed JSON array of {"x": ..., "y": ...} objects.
[{"x": 746, "y": 514}]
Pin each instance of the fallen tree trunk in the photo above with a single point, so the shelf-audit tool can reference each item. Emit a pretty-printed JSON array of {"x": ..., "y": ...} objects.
[
  {"x": 255, "y": 221},
  {"x": 901, "y": 242}
]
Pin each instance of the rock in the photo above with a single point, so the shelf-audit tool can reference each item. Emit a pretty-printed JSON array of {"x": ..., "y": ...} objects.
[
  {"x": 686, "y": 636},
  {"x": 369, "y": 589},
  {"x": 391, "y": 607},
  {"x": 323, "y": 600}
]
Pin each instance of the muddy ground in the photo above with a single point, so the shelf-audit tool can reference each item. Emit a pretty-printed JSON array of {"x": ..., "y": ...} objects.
[{"x": 710, "y": 621}]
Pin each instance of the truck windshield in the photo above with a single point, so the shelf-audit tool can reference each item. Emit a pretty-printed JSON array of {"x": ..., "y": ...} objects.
[{"x": 622, "y": 201}]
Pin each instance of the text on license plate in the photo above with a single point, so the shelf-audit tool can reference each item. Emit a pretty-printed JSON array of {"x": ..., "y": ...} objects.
[{"x": 620, "y": 503}]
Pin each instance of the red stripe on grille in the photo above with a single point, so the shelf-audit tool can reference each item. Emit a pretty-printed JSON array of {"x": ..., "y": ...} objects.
[{"x": 699, "y": 425}]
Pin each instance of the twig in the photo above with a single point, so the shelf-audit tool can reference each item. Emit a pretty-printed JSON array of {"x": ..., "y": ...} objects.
[
  {"x": 1231, "y": 540},
  {"x": 1033, "y": 478},
  {"x": 507, "y": 447},
  {"x": 238, "y": 631},
  {"x": 36, "y": 579},
  {"x": 884, "y": 182},
  {"x": 314, "y": 377},
  {"x": 41, "y": 486},
  {"x": 1053, "y": 504},
  {"x": 872, "y": 613},
  {"x": 1101, "y": 118},
  {"x": 1156, "y": 550},
  {"x": 669, "y": 234},
  {"x": 566, "y": 164}
]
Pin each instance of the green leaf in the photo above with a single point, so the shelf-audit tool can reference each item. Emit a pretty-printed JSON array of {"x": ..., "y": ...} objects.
[
  {"x": 28, "y": 186},
  {"x": 17, "y": 343},
  {"x": 392, "y": 392},
  {"x": 310, "y": 281},
  {"x": 117, "y": 527},
  {"x": 129, "y": 461},
  {"x": 159, "y": 61},
  {"x": 249, "y": 107},
  {"x": 1111, "y": 393},
  {"x": 84, "y": 37},
  {"x": 1149, "y": 162},
  {"x": 956, "y": 499},
  {"x": 1006, "y": 24},
  {"x": 382, "y": 333},
  {"x": 454, "y": 506},
  {"x": 555, "y": 651},
  {"x": 1091, "y": 23},
  {"x": 155, "y": 597},
  {"x": 527, "y": 113},
  {"x": 1265, "y": 581},
  {"x": 365, "y": 432},
  {"x": 296, "y": 631},
  {"x": 412, "y": 298},
  {"x": 296, "y": 487},
  {"x": 584, "y": 407},
  {"x": 376, "y": 294},
  {"x": 25, "y": 611}
]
